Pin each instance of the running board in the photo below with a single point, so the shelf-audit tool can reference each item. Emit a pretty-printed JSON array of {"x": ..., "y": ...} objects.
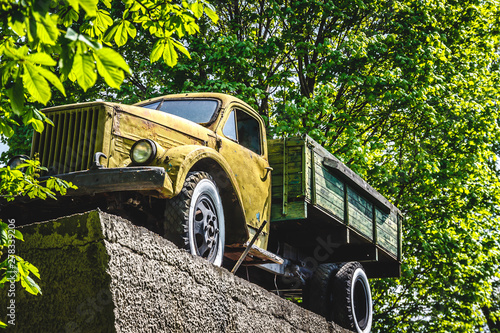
[
  {"x": 255, "y": 256},
  {"x": 267, "y": 261}
]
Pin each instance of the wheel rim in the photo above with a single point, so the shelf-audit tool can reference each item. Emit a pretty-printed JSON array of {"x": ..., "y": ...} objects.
[
  {"x": 361, "y": 305},
  {"x": 206, "y": 228}
]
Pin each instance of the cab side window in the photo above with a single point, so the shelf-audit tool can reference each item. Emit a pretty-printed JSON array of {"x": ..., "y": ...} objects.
[
  {"x": 229, "y": 129},
  {"x": 248, "y": 132},
  {"x": 244, "y": 129}
]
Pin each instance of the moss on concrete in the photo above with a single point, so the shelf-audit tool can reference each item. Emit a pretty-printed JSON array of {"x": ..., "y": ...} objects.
[
  {"x": 74, "y": 230},
  {"x": 72, "y": 260}
]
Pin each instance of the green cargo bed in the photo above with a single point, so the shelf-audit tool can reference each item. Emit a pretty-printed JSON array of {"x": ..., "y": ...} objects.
[{"x": 310, "y": 187}]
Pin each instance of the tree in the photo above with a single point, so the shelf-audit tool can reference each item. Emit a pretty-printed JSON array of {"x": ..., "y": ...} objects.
[
  {"x": 43, "y": 44},
  {"x": 14, "y": 183},
  {"x": 405, "y": 93},
  {"x": 36, "y": 36}
]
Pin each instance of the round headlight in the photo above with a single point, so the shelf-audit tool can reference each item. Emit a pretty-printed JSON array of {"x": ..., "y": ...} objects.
[
  {"x": 143, "y": 151},
  {"x": 16, "y": 161}
]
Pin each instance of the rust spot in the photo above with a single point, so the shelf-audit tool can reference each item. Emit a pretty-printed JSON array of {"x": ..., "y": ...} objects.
[{"x": 116, "y": 123}]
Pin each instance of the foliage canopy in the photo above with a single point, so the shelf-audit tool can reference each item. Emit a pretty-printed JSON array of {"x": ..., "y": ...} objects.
[{"x": 44, "y": 43}]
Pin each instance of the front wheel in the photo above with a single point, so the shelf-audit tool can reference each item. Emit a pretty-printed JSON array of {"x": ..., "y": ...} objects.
[{"x": 194, "y": 219}]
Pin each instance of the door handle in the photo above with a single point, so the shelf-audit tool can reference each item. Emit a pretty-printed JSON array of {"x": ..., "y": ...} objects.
[{"x": 268, "y": 169}]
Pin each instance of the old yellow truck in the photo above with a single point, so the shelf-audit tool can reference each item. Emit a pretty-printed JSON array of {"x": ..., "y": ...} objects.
[{"x": 199, "y": 169}]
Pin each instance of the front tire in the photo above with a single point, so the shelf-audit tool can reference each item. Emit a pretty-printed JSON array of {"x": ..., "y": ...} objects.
[{"x": 194, "y": 219}]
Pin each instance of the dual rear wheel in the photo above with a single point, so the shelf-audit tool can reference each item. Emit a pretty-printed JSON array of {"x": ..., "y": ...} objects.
[{"x": 341, "y": 293}]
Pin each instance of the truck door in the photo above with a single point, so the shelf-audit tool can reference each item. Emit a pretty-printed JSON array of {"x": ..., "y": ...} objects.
[{"x": 243, "y": 145}]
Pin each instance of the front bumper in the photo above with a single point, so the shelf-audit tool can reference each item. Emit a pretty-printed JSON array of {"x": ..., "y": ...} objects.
[{"x": 144, "y": 179}]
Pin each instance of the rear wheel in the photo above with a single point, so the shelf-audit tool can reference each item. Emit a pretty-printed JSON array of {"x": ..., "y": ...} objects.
[
  {"x": 341, "y": 293},
  {"x": 194, "y": 219},
  {"x": 318, "y": 293},
  {"x": 353, "y": 308}
]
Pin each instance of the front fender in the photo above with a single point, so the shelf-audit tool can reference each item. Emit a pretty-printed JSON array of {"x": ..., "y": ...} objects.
[{"x": 182, "y": 159}]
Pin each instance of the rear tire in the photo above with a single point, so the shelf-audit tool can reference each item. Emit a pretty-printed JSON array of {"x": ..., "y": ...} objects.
[
  {"x": 341, "y": 293},
  {"x": 318, "y": 294},
  {"x": 353, "y": 307},
  {"x": 194, "y": 219}
]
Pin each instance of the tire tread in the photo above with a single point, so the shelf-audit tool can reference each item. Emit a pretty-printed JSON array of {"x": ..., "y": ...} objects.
[
  {"x": 177, "y": 210},
  {"x": 342, "y": 308},
  {"x": 317, "y": 290}
]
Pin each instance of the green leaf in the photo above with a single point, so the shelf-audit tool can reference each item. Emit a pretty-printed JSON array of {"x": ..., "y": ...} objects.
[
  {"x": 46, "y": 29},
  {"x": 41, "y": 58},
  {"x": 16, "y": 96},
  {"x": 19, "y": 27},
  {"x": 191, "y": 27},
  {"x": 111, "y": 74},
  {"x": 30, "y": 268},
  {"x": 70, "y": 16},
  {"x": 52, "y": 78},
  {"x": 35, "y": 113},
  {"x": 210, "y": 11},
  {"x": 131, "y": 30},
  {"x": 90, "y": 6},
  {"x": 110, "y": 66},
  {"x": 30, "y": 285},
  {"x": 181, "y": 48},
  {"x": 72, "y": 76},
  {"x": 122, "y": 31},
  {"x": 75, "y": 4},
  {"x": 18, "y": 235},
  {"x": 121, "y": 35},
  {"x": 37, "y": 125},
  {"x": 4, "y": 237},
  {"x": 5, "y": 129},
  {"x": 169, "y": 53},
  {"x": 157, "y": 51},
  {"x": 84, "y": 70},
  {"x": 20, "y": 267},
  {"x": 7, "y": 70},
  {"x": 109, "y": 36},
  {"x": 112, "y": 58},
  {"x": 196, "y": 8},
  {"x": 36, "y": 85},
  {"x": 103, "y": 19}
]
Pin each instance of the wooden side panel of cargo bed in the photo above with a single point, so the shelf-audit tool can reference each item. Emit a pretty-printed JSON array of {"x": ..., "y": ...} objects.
[
  {"x": 289, "y": 180},
  {"x": 307, "y": 175}
]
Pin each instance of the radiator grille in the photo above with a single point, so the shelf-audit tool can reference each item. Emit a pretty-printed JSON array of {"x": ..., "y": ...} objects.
[{"x": 71, "y": 143}]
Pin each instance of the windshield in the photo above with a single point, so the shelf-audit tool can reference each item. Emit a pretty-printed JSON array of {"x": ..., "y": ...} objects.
[{"x": 200, "y": 111}]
